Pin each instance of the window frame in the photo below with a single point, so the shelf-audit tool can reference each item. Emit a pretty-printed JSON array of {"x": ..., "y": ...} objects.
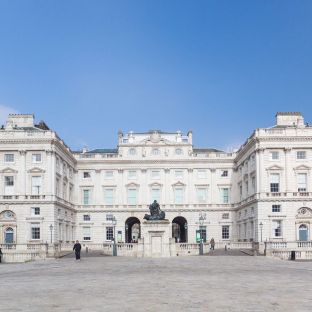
[{"x": 6, "y": 161}]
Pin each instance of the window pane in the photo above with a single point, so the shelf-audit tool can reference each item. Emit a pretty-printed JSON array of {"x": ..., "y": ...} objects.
[
  {"x": 109, "y": 196},
  {"x": 36, "y": 158},
  {"x": 178, "y": 196},
  {"x": 36, "y": 182},
  {"x": 202, "y": 195},
  {"x": 132, "y": 196},
  {"x": 225, "y": 232},
  {"x": 109, "y": 233},
  {"x": 9, "y": 157},
  {"x": 86, "y": 197},
  {"x": 155, "y": 195}
]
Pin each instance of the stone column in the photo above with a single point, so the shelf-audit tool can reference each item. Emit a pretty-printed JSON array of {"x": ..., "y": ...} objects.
[
  {"x": 120, "y": 188},
  {"x": 22, "y": 174},
  {"x": 214, "y": 191},
  {"x": 190, "y": 186},
  {"x": 144, "y": 189},
  {"x": 167, "y": 188},
  {"x": 288, "y": 170},
  {"x": 98, "y": 193},
  {"x": 260, "y": 187}
]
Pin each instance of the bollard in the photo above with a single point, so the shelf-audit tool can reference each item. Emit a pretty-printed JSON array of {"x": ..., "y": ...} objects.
[{"x": 87, "y": 249}]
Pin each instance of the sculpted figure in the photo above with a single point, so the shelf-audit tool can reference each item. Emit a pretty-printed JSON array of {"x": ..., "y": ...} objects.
[{"x": 156, "y": 213}]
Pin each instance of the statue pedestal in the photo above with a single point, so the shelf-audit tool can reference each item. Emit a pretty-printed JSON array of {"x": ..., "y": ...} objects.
[{"x": 156, "y": 235}]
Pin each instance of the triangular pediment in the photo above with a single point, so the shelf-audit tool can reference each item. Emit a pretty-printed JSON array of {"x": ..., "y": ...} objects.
[
  {"x": 8, "y": 170},
  {"x": 36, "y": 170},
  {"x": 302, "y": 167},
  {"x": 275, "y": 167},
  {"x": 179, "y": 183}
]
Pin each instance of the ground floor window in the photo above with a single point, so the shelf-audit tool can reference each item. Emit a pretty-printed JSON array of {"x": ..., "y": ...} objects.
[
  {"x": 35, "y": 231},
  {"x": 201, "y": 234},
  {"x": 277, "y": 228},
  {"x": 225, "y": 232},
  {"x": 109, "y": 233},
  {"x": 86, "y": 233}
]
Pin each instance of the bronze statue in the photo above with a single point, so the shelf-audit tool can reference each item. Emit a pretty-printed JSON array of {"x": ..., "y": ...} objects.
[{"x": 156, "y": 213}]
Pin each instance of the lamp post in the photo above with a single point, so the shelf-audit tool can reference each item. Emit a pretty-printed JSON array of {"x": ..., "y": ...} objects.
[
  {"x": 261, "y": 226},
  {"x": 201, "y": 245},
  {"x": 51, "y": 231},
  {"x": 114, "y": 222}
]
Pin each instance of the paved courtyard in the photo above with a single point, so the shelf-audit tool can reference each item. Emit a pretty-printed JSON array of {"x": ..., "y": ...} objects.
[{"x": 231, "y": 283}]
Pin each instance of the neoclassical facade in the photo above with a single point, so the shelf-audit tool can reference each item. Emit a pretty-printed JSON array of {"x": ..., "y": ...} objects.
[{"x": 48, "y": 193}]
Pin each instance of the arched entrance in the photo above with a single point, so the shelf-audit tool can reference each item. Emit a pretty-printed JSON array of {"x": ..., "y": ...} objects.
[
  {"x": 132, "y": 229},
  {"x": 179, "y": 229},
  {"x": 303, "y": 232},
  {"x": 9, "y": 236}
]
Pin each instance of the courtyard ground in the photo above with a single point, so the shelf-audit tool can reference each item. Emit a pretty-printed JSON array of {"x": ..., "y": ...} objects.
[{"x": 199, "y": 283}]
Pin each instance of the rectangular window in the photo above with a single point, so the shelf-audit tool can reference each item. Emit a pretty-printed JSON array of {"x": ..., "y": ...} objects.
[
  {"x": 36, "y": 183},
  {"x": 178, "y": 195},
  {"x": 277, "y": 228},
  {"x": 155, "y": 194},
  {"x": 225, "y": 195},
  {"x": 155, "y": 174},
  {"x": 8, "y": 185},
  {"x": 274, "y": 155},
  {"x": 225, "y": 232},
  {"x": 274, "y": 182},
  {"x": 86, "y": 197},
  {"x": 201, "y": 195},
  {"x": 253, "y": 183},
  {"x": 8, "y": 158},
  {"x": 302, "y": 182},
  {"x": 178, "y": 174},
  {"x": 36, "y": 158},
  {"x": 109, "y": 233},
  {"x": 86, "y": 217},
  {"x": 86, "y": 230},
  {"x": 35, "y": 231},
  {"x": 276, "y": 208},
  {"x": 301, "y": 155},
  {"x": 132, "y": 196},
  {"x": 224, "y": 173},
  {"x": 109, "y": 217},
  {"x": 132, "y": 174},
  {"x": 86, "y": 175},
  {"x": 225, "y": 216},
  {"x": 109, "y": 196},
  {"x": 35, "y": 211},
  {"x": 109, "y": 174},
  {"x": 202, "y": 174}
]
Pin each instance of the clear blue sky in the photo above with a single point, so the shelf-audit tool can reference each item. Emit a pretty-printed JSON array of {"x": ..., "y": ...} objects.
[{"x": 221, "y": 68}]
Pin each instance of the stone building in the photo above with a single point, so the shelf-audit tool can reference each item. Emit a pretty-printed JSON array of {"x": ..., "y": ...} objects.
[{"x": 50, "y": 194}]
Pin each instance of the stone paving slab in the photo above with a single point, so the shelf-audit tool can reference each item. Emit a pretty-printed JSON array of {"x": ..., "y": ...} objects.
[{"x": 231, "y": 283}]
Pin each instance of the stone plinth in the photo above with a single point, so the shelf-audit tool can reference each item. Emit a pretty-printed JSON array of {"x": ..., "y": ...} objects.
[{"x": 156, "y": 238}]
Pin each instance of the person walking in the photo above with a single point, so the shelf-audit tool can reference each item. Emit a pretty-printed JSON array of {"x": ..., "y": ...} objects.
[
  {"x": 212, "y": 244},
  {"x": 77, "y": 248}
]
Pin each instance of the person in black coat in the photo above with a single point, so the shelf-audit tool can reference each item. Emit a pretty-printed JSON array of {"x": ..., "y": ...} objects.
[{"x": 77, "y": 248}]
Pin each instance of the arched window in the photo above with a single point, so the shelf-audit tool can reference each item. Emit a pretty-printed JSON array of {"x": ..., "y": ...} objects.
[
  {"x": 8, "y": 235},
  {"x": 155, "y": 151},
  {"x": 132, "y": 151},
  {"x": 303, "y": 232},
  {"x": 178, "y": 151}
]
